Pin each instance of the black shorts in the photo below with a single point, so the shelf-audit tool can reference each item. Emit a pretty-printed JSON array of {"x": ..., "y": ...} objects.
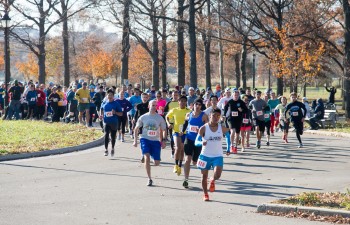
[
  {"x": 1, "y": 104},
  {"x": 235, "y": 124},
  {"x": 192, "y": 150},
  {"x": 299, "y": 126},
  {"x": 260, "y": 124}
]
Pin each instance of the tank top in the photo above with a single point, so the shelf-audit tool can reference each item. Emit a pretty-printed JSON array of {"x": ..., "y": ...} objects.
[
  {"x": 213, "y": 147},
  {"x": 193, "y": 126}
]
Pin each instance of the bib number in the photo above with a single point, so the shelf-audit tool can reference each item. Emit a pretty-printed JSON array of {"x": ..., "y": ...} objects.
[
  {"x": 194, "y": 129},
  {"x": 84, "y": 99},
  {"x": 295, "y": 113},
  {"x": 32, "y": 99},
  {"x": 160, "y": 112},
  {"x": 109, "y": 114},
  {"x": 259, "y": 113},
  {"x": 181, "y": 127},
  {"x": 152, "y": 133},
  {"x": 245, "y": 121},
  {"x": 55, "y": 100},
  {"x": 201, "y": 164},
  {"x": 267, "y": 116},
  {"x": 39, "y": 95},
  {"x": 234, "y": 113}
]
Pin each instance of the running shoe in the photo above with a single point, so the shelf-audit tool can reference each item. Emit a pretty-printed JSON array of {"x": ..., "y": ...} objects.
[
  {"x": 150, "y": 182},
  {"x": 185, "y": 183},
  {"x": 235, "y": 150},
  {"x": 112, "y": 153},
  {"x": 268, "y": 143},
  {"x": 206, "y": 197},
  {"x": 272, "y": 134},
  {"x": 175, "y": 168},
  {"x": 248, "y": 145},
  {"x": 242, "y": 150},
  {"x": 258, "y": 144},
  {"x": 142, "y": 159},
  {"x": 212, "y": 185},
  {"x": 178, "y": 171},
  {"x": 106, "y": 153},
  {"x": 123, "y": 140},
  {"x": 119, "y": 137},
  {"x": 300, "y": 145}
]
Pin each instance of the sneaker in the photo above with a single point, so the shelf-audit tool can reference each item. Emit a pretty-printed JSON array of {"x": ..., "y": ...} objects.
[
  {"x": 175, "y": 168},
  {"x": 112, "y": 153},
  {"x": 106, "y": 153},
  {"x": 142, "y": 159},
  {"x": 272, "y": 134},
  {"x": 268, "y": 143},
  {"x": 150, "y": 182},
  {"x": 234, "y": 149},
  {"x": 185, "y": 183},
  {"x": 286, "y": 140},
  {"x": 248, "y": 145},
  {"x": 300, "y": 145},
  {"x": 123, "y": 140},
  {"x": 178, "y": 171},
  {"x": 258, "y": 144},
  {"x": 119, "y": 137},
  {"x": 212, "y": 185},
  {"x": 206, "y": 197},
  {"x": 172, "y": 155},
  {"x": 242, "y": 150}
]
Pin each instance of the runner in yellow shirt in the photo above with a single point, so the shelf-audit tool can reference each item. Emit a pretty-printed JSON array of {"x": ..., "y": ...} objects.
[
  {"x": 83, "y": 97},
  {"x": 178, "y": 115}
]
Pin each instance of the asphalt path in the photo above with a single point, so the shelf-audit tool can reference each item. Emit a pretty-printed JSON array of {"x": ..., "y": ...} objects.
[{"x": 86, "y": 187}]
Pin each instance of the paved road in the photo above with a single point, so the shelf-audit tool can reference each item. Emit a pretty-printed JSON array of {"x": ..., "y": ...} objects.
[{"x": 87, "y": 188}]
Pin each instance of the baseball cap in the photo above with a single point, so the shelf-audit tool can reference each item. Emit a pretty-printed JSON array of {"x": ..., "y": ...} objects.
[
  {"x": 208, "y": 88},
  {"x": 227, "y": 89}
]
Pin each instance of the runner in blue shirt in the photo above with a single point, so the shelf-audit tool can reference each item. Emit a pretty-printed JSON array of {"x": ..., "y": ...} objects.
[{"x": 110, "y": 110}]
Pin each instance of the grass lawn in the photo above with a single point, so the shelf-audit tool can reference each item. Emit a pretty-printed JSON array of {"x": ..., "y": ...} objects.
[{"x": 32, "y": 136}]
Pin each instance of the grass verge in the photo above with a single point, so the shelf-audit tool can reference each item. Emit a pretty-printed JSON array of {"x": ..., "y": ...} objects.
[{"x": 33, "y": 136}]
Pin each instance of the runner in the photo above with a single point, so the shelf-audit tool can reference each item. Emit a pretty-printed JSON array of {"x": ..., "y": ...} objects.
[
  {"x": 141, "y": 109},
  {"x": 152, "y": 137},
  {"x": 54, "y": 98},
  {"x": 237, "y": 107},
  {"x": 40, "y": 103},
  {"x": 126, "y": 107},
  {"x": 297, "y": 113},
  {"x": 178, "y": 116},
  {"x": 257, "y": 106},
  {"x": 267, "y": 120},
  {"x": 169, "y": 106},
  {"x": 211, "y": 154},
  {"x": 194, "y": 120},
  {"x": 134, "y": 100},
  {"x": 273, "y": 102},
  {"x": 83, "y": 97},
  {"x": 31, "y": 99},
  {"x": 284, "y": 124},
  {"x": 246, "y": 124},
  {"x": 110, "y": 109}
]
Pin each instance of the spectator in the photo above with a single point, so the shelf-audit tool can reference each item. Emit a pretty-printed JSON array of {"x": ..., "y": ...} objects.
[
  {"x": 319, "y": 114},
  {"x": 307, "y": 106},
  {"x": 332, "y": 92}
]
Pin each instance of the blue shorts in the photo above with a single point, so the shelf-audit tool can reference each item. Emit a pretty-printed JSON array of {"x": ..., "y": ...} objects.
[
  {"x": 183, "y": 137},
  {"x": 151, "y": 147},
  {"x": 208, "y": 163}
]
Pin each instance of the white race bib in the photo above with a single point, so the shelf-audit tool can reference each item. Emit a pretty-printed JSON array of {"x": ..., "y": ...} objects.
[
  {"x": 109, "y": 114},
  {"x": 160, "y": 112},
  {"x": 245, "y": 121},
  {"x": 122, "y": 109},
  {"x": 39, "y": 95},
  {"x": 201, "y": 164},
  {"x": 152, "y": 133},
  {"x": 84, "y": 99},
  {"x": 194, "y": 129},
  {"x": 259, "y": 113},
  {"x": 295, "y": 113},
  {"x": 267, "y": 116},
  {"x": 32, "y": 99},
  {"x": 55, "y": 100},
  {"x": 71, "y": 113},
  {"x": 234, "y": 113}
]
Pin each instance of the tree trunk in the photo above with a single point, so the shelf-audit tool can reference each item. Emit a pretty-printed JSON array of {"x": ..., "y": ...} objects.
[
  {"x": 41, "y": 50},
  {"x": 207, "y": 44},
  {"x": 164, "y": 53},
  {"x": 221, "y": 52},
  {"x": 65, "y": 37},
  {"x": 180, "y": 45},
  {"x": 238, "y": 69},
  {"x": 346, "y": 8},
  {"x": 125, "y": 43},
  {"x": 280, "y": 46},
  {"x": 193, "y": 44},
  {"x": 243, "y": 65},
  {"x": 155, "y": 55}
]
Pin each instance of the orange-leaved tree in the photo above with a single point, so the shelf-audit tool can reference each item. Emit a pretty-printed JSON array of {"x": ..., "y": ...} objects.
[
  {"x": 29, "y": 69},
  {"x": 140, "y": 64}
]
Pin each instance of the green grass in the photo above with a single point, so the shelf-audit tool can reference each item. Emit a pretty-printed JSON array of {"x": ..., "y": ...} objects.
[
  {"x": 335, "y": 200},
  {"x": 32, "y": 136}
]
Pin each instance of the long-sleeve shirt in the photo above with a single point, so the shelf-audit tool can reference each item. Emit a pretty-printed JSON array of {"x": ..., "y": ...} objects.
[
  {"x": 296, "y": 110},
  {"x": 31, "y": 97},
  {"x": 125, "y": 104},
  {"x": 141, "y": 109}
]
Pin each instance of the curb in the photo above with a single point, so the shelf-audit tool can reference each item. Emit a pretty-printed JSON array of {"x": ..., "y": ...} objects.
[
  {"x": 327, "y": 133},
  {"x": 81, "y": 147},
  {"x": 290, "y": 208}
]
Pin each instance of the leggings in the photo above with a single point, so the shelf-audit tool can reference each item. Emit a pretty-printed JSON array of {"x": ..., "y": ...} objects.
[
  {"x": 109, "y": 130},
  {"x": 122, "y": 123},
  {"x": 268, "y": 126}
]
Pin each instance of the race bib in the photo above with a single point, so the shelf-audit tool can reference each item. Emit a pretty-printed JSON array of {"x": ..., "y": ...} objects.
[
  {"x": 267, "y": 116},
  {"x": 71, "y": 113},
  {"x": 246, "y": 121},
  {"x": 55, "y": 100},
  {"x": 32, "y": 99},
  {"x": 295, "y": 113},
  {"x": 194, "y": 129},
  {"x": 160, "y": 112},
  {"x": 122, "y": 109},
  {"x": 109, "y": 114},
  {"x": 201, "y": 164},
  {"x": 84, "y": 99},
  {"x": 181, "y": 126},
  {"x": 259, "y": 113},
  {"x": 39, "y": 95},
  {"x": 234, "y": 113},
  {"x": 151, "y": 133}
]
